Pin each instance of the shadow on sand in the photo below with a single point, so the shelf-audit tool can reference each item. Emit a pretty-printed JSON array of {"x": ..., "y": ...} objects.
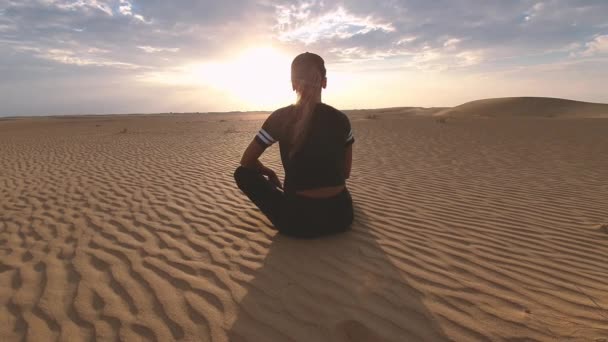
[{"x": 339, "y": 288}]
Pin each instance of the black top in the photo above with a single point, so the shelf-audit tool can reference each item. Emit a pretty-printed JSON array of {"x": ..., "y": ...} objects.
[{"x": 320, "y": 160}]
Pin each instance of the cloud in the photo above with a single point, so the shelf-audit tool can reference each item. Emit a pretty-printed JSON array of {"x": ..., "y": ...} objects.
[
  {"x": 598, "y": 46},
  {"x": 90, "y": 57},
  {"x": 436, "y": 60},
  {"x": 150, "y": 49},
  {"x": 451, "y": 43},
  {"x": 71, "y": 57},
  {"x": 343, "y": 31},
  {"x": 534, "y": 11},
  {"x": 80, "y": 5},
  {"x": 296, "y": 24},
  {"x": 419, "y": 34},
  {"x": 125, "y": 8}
]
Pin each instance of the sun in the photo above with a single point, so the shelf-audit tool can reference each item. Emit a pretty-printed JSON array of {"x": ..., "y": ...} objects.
[{"x": 258, "y": 77}]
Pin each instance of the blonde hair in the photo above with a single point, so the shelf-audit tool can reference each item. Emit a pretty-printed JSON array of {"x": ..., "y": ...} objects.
[{"x": 307, "y": 76}]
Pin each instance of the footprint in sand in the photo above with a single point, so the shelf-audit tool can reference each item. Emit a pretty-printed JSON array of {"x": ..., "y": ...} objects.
[{"x": 355, "y": 331}]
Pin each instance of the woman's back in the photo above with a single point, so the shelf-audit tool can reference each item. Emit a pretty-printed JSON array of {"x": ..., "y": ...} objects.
[{"x": 319, "y": 160}]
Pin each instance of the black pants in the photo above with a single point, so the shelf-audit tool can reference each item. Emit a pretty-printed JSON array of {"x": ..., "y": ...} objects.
[{"x": 294, "y": 215}]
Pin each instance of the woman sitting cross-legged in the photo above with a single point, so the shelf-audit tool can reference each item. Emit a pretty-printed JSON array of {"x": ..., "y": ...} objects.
[{"x": 315, "y": 142}]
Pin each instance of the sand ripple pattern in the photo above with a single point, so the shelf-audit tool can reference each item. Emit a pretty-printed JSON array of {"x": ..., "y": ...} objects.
[{"x": 131, "y": 229}]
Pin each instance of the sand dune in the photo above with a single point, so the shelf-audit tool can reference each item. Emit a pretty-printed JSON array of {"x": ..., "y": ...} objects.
[
  {"x": 529, "y": 107},
  {"x": 131, "y": 228}
]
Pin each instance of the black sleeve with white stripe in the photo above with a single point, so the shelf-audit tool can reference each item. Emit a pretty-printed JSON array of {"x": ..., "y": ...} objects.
[
  {"x": 350, "y": 138},
  {"x": 264, "y": 138}
]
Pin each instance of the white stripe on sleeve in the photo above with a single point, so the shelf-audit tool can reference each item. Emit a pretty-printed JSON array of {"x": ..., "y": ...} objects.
[
  {"x": 264, "y": 139},
  {"x": 350, "y": 136},
  {"x": 267, "y": 135}
]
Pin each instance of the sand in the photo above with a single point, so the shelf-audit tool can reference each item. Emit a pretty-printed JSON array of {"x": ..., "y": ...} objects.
[{"x": 131, "y": 228}]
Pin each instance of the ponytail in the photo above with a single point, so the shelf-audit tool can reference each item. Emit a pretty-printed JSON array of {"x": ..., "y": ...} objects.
[
  {"x": 308, "y": 96},
  {"x": 307, "y": 76}
]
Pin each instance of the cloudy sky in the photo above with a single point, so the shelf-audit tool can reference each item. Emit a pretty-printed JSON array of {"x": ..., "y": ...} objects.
[{"x": 134, "y": 56}]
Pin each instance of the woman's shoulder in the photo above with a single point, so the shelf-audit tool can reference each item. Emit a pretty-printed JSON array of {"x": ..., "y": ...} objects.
[
  {"x": 338, "y": 114},
  {"x": 280, "y": 114},
  {"x": 328, "y": 108}
]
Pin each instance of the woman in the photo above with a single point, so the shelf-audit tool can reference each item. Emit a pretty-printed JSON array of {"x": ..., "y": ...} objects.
[{"x": 315, "y": 142}]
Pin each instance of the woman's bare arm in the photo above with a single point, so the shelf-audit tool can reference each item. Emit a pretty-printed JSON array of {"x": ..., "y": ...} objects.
[
  {"x": 250, "y": 159},
  {"x": 250, "y": 156}
]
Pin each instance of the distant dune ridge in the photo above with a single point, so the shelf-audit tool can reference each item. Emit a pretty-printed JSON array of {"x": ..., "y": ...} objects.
[
  {"x": 528, "y": 107},
  {"x": 525, "y": 106}
]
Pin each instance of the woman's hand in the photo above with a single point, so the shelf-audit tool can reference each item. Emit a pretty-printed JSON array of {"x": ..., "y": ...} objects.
[
  {"x": 250, "y": 160},
  {"x": 272, "y": 177}
]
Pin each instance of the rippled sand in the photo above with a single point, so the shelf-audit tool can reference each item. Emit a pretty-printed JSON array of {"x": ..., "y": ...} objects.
[{"x": 131, "y": 228}]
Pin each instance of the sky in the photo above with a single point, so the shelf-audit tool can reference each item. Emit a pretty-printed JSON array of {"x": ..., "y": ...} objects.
[{"x": 151, "y": 56}]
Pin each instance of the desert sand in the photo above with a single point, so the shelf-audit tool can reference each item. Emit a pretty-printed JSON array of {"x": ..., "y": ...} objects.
[{"x": 472, "y": 229}]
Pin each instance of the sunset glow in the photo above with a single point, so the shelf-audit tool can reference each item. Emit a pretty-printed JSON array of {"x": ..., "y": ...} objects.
[{"x": 258, "y": 76}]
